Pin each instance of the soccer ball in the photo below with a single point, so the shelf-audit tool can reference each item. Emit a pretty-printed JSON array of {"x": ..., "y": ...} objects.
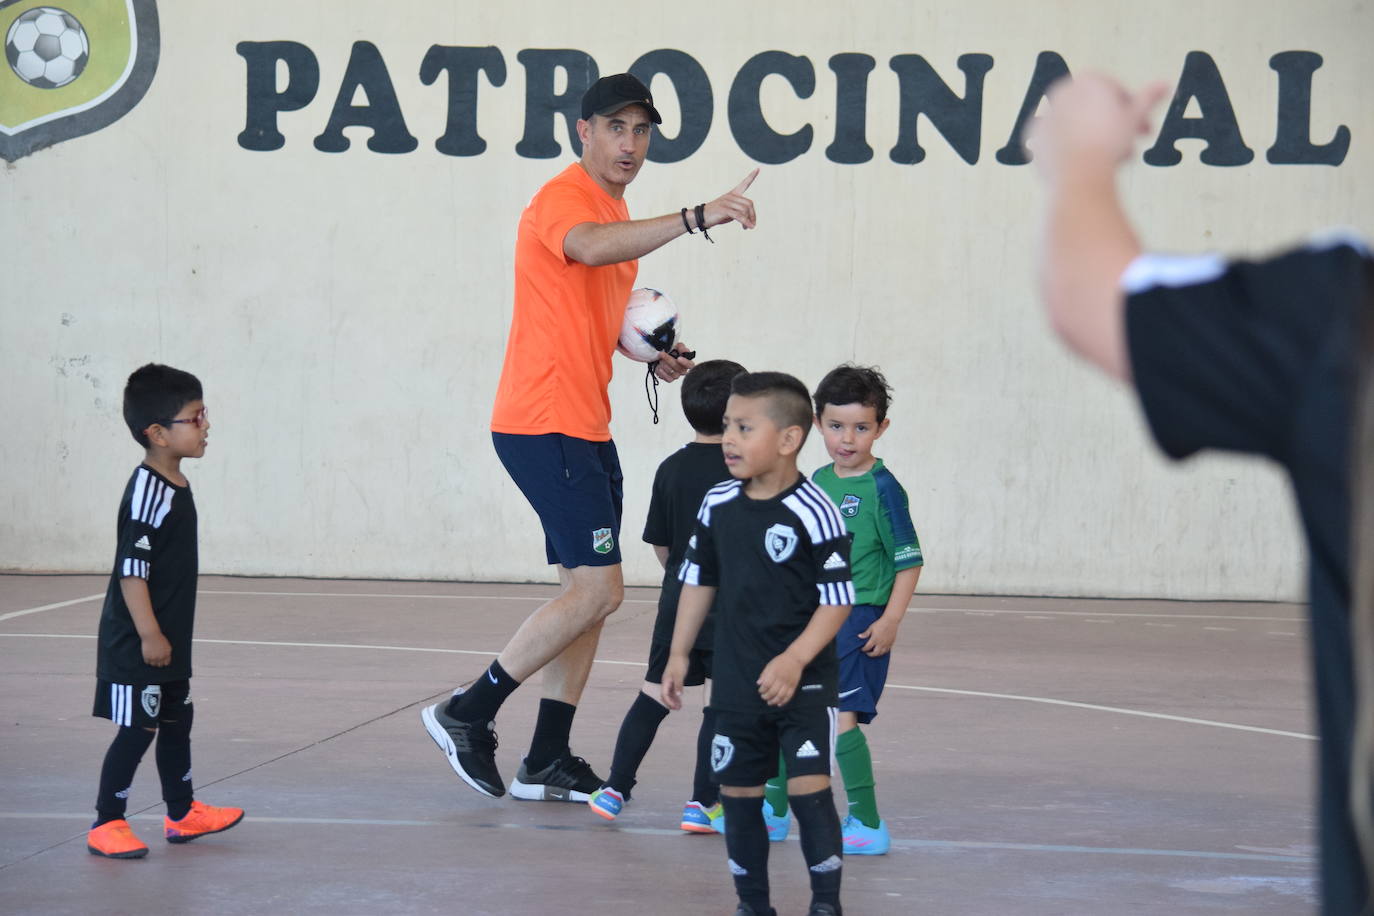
[
  {"x": 47, "y": 47},
  {"x": 650, "y": 325}
]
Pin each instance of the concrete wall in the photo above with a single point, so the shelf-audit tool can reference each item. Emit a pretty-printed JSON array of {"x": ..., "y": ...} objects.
[{"x": 347, "y": 311}]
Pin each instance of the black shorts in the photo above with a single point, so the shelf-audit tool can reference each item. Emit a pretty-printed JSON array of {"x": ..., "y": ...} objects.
[
  {"x": 140, "y": 705},
  {"x": 744, "y": 751},
  {"x": 576, "y": 489},
  {"x": 698, "y": 665}
]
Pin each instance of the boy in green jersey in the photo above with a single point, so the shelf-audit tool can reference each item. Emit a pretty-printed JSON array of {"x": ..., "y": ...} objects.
[{"x": 851, "y": 413}]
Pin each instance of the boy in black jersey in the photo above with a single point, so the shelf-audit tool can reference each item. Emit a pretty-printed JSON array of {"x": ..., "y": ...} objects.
[
  {"x": 771, "y": 551},
  {"x": 143, "y": 655},
  {"x": 682, "y": 480}
]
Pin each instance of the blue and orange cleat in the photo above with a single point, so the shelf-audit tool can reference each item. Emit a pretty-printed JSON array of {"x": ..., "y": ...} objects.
[
  {"x": 606, "y": 802},
  {"x": 699, "y": 819}
]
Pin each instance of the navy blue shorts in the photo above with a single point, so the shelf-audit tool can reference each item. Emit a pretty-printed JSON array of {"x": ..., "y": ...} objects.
[
  {"x": 576, "y": 489},
  {"x": 862, "y": 677}
]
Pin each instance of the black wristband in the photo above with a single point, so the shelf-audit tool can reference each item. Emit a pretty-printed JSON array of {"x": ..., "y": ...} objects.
[
  {"x": 685, "y": 224},
  {"x": 700, "y": 214}
]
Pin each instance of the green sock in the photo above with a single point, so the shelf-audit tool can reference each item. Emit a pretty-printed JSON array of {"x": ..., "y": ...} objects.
[
  {"x": 775, "y": 790},
  {"x": 856, "y": 768}
]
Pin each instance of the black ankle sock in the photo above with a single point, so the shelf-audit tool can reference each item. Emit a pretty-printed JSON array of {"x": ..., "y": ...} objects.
[
  {"x": 746, "y": 841},
  {"x": 551, "y": 731},
  {"x": 117, "y": 772},
  {"x": 636, "y": 735},
  {"x": 704, "y": 787},
  {"x": 822, "y": 843},
  {"x": 481, "y": 701}
]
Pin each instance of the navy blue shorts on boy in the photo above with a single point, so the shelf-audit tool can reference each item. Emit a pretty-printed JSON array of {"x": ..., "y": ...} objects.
[
  {"x": 862, "y": 677},
  {"x": 576, "y": 489},
  {"x": 745, "y": 749},
  {"x": 698, "y": 665}
]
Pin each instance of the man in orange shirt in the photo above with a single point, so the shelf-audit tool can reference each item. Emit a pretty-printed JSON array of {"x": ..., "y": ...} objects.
[{"x": 576, "y": 254}]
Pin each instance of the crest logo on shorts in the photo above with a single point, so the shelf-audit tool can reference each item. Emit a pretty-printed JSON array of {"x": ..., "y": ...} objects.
[
  {"x": 151, "y": 700},
  {"x": 71, "y": 68},
  {"x": 849, "y": 506},
  {"x": 722, "y": 752},
  {"x": 602, "y": 540},
  {"x": 780, "y": 541}
]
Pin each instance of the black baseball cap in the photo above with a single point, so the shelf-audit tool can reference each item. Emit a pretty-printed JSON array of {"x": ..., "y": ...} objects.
[{"x": 612, "y": 93}]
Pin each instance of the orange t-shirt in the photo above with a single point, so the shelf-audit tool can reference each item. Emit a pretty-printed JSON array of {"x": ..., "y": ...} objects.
[{"x": 567, "y": 317}]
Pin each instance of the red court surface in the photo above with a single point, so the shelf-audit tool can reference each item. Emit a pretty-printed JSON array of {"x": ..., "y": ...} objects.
[{"x": 1034, "y": 756}]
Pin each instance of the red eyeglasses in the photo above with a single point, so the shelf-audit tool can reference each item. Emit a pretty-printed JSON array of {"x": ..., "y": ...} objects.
[{"x": 201, "y": 419}]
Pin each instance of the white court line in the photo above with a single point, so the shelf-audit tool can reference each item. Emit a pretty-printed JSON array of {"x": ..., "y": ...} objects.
[
  {"x": 50, "y": 607},
  {"x": 386, "y": 595},
  {"x": 656, "y": 831},
  {"x": 606, "y": 661},
  {"x": 914, "y": 610},
  {"x": 1115, "y": 709}
]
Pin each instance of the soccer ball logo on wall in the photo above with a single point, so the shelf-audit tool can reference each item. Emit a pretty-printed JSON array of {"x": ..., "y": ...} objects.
[
  {"x": 47, "y": 47},
  {"x": 71, "y": 68}
]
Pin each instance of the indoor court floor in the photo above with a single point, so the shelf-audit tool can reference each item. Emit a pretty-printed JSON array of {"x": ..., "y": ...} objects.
[{"x": 1033, "y": 756}]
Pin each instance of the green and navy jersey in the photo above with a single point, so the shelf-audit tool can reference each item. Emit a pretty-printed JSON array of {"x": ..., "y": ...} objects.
[
  {"x": 874, "y": 508},
  {"x": 156, "y": 542}
]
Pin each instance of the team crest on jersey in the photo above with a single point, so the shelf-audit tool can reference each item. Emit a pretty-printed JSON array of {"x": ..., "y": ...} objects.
[
  {"x": 74, "y": 67},
  {"x": 602, "y": 540},
  {"x": 722, "y": 752},
  {"x": 151, "y": 699},
  {"x": 849, "y": 506},
  {"x": 780, "y": 541}
]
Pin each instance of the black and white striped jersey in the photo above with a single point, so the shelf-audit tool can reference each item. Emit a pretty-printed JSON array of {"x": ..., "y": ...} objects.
[
  {"x": 156, "y": 542},
  {"x": 773, "y": 562}
]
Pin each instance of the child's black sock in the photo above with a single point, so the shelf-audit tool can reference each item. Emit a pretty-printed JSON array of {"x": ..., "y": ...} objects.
[
  {"x": 480, "y": 702},
  {"x": 704, "y": 787},
  {"x": 552, "y": 730},
  {"x": 173, "y": 755},
  {"x": 117, "y": 772},
  {"x": 822, "y": 843},
  {"x": 636, "y": 734},
  {"x": 746, "y": 840}
]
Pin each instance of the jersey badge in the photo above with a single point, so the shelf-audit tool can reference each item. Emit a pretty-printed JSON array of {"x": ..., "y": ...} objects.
[
  {"x": 722, "y": 752},
  {"x": 143, "y": 543},
  {"x": 849, "y": 506},
  {"x": 780, "y": 541},
  {"x": 834, "y": 561},
  {"x": 151, "y": 699},
  {"x": 602, "y": 540}
]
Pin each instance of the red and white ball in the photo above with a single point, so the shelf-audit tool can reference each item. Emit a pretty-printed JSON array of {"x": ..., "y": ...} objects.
[{"x": 650, "y": 327}]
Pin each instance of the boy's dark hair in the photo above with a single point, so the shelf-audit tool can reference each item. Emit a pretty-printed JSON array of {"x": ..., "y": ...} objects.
[
  {"x": 789, "y": 403},
  {"x": 704, "y": 393},
  {"x": 851, "y": 384},
  {"x": 155, "y": 394}
]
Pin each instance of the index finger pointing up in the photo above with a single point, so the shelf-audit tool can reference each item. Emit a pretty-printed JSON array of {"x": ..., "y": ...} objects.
[{"x": 748, "y": 180}]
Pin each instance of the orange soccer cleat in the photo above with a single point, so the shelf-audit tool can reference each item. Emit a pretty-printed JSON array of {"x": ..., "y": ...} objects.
[
  {"x": 199, "y": 821},
  {"x": 115, "y": 840}
]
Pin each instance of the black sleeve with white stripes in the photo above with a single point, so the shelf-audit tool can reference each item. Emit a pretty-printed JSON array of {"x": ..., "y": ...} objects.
[{"x": 149, "y": 504}]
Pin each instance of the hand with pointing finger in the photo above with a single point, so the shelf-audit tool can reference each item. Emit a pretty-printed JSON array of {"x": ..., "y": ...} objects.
[{"x": 733, "y": 205}]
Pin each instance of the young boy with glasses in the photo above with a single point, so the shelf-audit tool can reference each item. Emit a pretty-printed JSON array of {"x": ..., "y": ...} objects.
[{"x": 143, "y": 654}]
